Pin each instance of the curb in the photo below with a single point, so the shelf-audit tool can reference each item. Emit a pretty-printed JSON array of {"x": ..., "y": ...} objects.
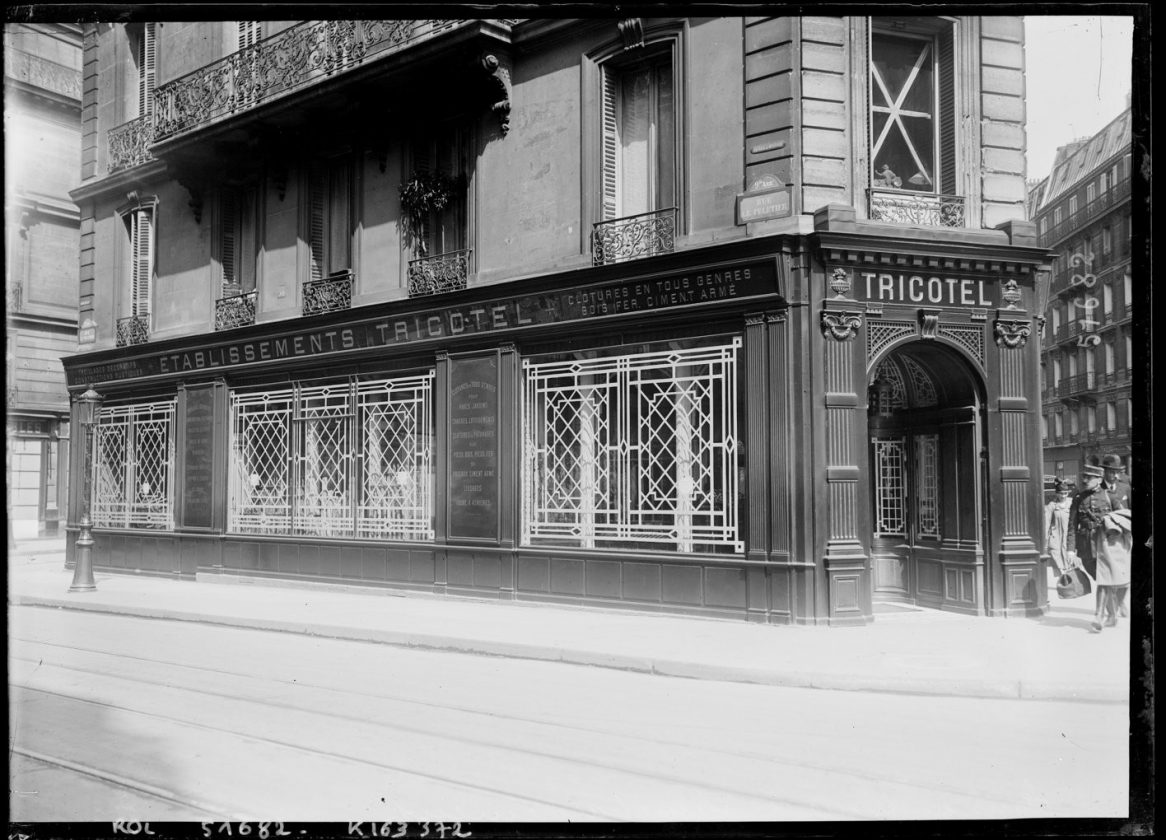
[{"x": 687, "y": 669}]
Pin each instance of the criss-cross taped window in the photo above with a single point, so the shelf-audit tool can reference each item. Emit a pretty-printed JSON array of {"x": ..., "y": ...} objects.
[{"x": 913, "y": 110}]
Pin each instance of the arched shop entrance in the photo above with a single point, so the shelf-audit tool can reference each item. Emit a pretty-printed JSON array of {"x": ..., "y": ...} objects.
[{"x": 928, "y": 505}]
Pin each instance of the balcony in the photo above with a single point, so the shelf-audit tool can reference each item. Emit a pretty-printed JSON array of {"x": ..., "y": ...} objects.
[
  {"x": 235, "y": 311},
  {"x": 1109, "y": 199},
  {"x": 440, "y": 273},
  {"x": 634, "y": 237},
  {"x": 133, "y": 330},
  {"x": 329, "y": 294},
  {"x": 307, "y": 54},
  {"x": 902, "y": 207},
  {"x": 129, "y": 143}
]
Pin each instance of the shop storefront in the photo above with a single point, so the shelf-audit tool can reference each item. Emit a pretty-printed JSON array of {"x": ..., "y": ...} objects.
[{"x": 770, "y": 430}]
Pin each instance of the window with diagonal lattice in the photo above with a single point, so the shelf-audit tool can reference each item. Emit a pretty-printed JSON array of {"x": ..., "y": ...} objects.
[{"x": 133, "y": 465}]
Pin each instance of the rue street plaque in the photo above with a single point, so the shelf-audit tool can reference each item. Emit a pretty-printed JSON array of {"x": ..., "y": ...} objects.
[{"x": 473, "y": 448}]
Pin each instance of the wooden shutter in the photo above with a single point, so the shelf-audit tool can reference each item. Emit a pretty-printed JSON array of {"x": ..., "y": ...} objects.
[
  {"x": 249, "y": 32},
  {"x": 316, "y": 198},
  {"x": 229, "y": 240},
  {"x": 142, "y": 245},
  {"x": 146, "y": 55},
  {"x": 610, "y": 142},
  {"x": 338, "y": 230},
  {"x": 947, "y": 113}
]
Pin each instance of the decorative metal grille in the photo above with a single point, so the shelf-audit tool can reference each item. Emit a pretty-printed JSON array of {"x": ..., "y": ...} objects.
[
  {"x": 235, "y": 311},
  {"x": 328, "y": 294},
  {"x": 446, "y": 272},
  {"x": 922, "y": 386},
  {"x": 133, "y": 465},
  {"x": 889, "y": 488},
  {"x": 970, "y": 338},
  {"x": 636, "y": 449},
  {"x": 914, "y": 209},
  {"x": 357, "y": 457},
  {"x": 633, "y": 237},
  {"x": 305, "y": 54},
  {"x": 396, "y": 490},
  {"x": 927, "y": 486},
  {"x": 881, "y": 332},
  {"x": 129, "y": 143},
  {"x": 133, "y": 330},
  {"x": 895, "y": 397}
]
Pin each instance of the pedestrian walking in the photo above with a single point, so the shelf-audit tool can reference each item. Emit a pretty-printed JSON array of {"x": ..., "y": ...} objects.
[
  {"x": 1058, "y": 545},
  {"x": 1112, "y": 543},
  {"x": 1085, "y": 518},
  {"x": 1114, "y": 482}
]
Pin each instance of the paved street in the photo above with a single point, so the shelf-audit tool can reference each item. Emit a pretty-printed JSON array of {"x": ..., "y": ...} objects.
[{"x": 126, "y": 718}]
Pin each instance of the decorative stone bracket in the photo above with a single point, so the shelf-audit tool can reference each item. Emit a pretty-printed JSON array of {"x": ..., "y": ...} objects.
[
  {"x": 497, "y": 82},
  {"x": 1012, "y": 333},
  {"x": 842, "y": 325},
  {"x": 929, "y": 323}
]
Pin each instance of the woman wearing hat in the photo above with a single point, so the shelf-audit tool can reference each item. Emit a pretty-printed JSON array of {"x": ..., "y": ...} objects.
[{"x": 1057, "y": 529}]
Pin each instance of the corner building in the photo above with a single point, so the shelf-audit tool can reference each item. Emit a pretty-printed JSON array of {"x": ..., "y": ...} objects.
[{"x": 726, "y": 316}]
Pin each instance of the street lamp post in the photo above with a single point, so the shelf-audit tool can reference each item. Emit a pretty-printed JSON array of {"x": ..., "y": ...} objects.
[{"x": 90, "y": 402}]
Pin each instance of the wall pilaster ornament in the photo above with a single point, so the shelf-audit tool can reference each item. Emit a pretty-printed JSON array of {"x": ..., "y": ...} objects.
[
  {"x": 841, "y": 325},
  {"x": 928, "y": 323},
  {"x": 1012, "y": 333},
  {"x": 498, "y": 79},
  {"x": 1010, "y": 293},
  {"x": 754, "y": 319},
  {"x": 632, "y": 31},
  {"x": 840, "y": 282},
  {"x": 778, "y": 317}
]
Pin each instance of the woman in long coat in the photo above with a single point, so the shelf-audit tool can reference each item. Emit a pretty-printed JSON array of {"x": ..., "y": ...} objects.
[
  {"x": 1111, "y": 548},
  {"x": 1057, "y": 530}
]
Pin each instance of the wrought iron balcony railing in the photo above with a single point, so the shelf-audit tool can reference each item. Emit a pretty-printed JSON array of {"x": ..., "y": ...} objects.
[
  {"x": 328, "y": 294},
  {"x": 634, "y": 237},
  {"x": 1109, "y": 199},
  {"x": 910, "y": 208},
  {"x": 133, "y": 330},
  {"x": 446, "y": 272},
  {"x": 303, "y": 55},
  {"x": 129, "y": 143},
  {"x": 235, "y": 311}
]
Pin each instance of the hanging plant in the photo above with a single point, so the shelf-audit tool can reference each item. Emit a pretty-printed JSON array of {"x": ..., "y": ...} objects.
[{"x": 422, "y": 194}]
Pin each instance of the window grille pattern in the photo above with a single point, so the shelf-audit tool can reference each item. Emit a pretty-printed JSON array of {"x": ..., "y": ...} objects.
[
  {"x": 893, "y": 397},
  {"x": 890, "y": 487},
  {"x": 342, "y": 460},
  {"x": 133, "y": 466},
  {"x": 970, "y": 338},
  {"x": 635, "y": 450},
  {"x": 927, "y": 486},
  {"x": 881, "y": 332},
  {"x": 921, "y": 384}
]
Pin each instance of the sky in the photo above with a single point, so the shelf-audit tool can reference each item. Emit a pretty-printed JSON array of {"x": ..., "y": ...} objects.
[{"x": 1078, "y": 72}]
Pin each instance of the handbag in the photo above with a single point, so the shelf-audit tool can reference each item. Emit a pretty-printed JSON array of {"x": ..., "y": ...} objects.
[{"x": 1073, "y": 584}]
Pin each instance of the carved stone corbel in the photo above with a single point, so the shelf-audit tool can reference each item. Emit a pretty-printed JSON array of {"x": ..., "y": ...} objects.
[
  {"x": 194, "y": 189},
  {"x": 1012, "y": 334},
  {"x": 498, "y": 86},
  {"x": 928, "y": 323},
  {"x": 840, "y": 324},
  {"x": 632, "y": 32}
]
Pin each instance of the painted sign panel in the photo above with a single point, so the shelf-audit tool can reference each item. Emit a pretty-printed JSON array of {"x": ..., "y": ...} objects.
[
  {"x": 914, "y": 289},
  {"x": 198, "y": 453},
  {"x": 473, "y": 448},
  {"x": 701, "y": 286},
  {"x": 770, "y": 204}
]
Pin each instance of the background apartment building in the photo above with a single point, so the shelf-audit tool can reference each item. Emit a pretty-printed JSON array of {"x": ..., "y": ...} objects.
[
  {"x": 719, "y": 315},
  {"x": 1082, "y": 210},
  {"x": 42, "y": 130}
]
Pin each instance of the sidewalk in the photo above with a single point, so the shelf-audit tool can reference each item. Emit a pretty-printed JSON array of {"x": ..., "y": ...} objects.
[{"x": 913, "y": 651}]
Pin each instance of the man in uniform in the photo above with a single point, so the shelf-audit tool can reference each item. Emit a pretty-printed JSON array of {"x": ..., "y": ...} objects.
[{"x": 1089, "y": 507}]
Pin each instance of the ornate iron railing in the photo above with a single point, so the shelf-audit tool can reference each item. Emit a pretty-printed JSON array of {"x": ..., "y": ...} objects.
[
  {"x": 1074, "y": 221},
  {"x": 305, "y": 54},
  {"x": 235, "y": 311},
  {"x": 328, "y": 294},
  {"x": 446, "y": 272},
  {"x": 129, "y": 143},
  {"x": 634, "y": 237},
  {"x": 133, "y": 330},
  {"x": 909, "y": 208}
]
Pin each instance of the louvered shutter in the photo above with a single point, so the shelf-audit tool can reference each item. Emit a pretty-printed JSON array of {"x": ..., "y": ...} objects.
[
  {"x": 146, "y": 55},
  {"x": 316, "y": 196},
  {"x": 339, "y": 236},
  {"x": 228, "y": 237},
  {"x": 610, "y": 140},
  {"x": 947, "y": 113},
  {"x": 249, "y": 32},
  {"x": 143, "y": 261}
]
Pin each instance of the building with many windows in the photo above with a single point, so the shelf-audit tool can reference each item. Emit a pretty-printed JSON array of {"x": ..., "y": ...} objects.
[
  {"x": 728, "y": 316},
  {"x": 42, "y": 138},
  {"x": 1082, "y": 211}
]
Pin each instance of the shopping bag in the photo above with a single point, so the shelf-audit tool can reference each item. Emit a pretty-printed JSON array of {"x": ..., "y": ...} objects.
[{"x": 1073, "y": 584}]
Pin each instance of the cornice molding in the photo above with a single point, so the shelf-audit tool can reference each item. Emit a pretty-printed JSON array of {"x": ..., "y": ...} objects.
[{"x": 120, "y": 182}]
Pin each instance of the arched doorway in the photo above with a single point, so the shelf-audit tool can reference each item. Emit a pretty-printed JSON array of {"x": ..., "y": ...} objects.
[{"x": 928, "y": 508}]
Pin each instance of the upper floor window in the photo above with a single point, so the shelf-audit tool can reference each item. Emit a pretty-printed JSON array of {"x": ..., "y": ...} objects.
[
  {"x": 1110, "y": 359},
  {"x": 238, "y": 238},
  {"x": 1107, "y": 298},
  {"x": 145, "y": 51},
  {"x": 329, "y": 217},
  {"x": 1103, "y": 182},
  {"x": 139, "y": 225},
  {"x": 1056, "y": 215},
  {"x": 1072, "y": 204},
  {"x": 1110, "y": 416},
  {"x": 1044, "y": 226},
  {"x": 1128, "y": 290},
  {"x": 1090, "y": 192},
  {"x": 438, "y": 162},
  {"x": 1106, "y": 240},
  {"x": 912, "y": 110},
  {"x": 639, "y": 134},
  {"x": 249, "y": 32},
  {"x": 1059, "y": 424}
]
